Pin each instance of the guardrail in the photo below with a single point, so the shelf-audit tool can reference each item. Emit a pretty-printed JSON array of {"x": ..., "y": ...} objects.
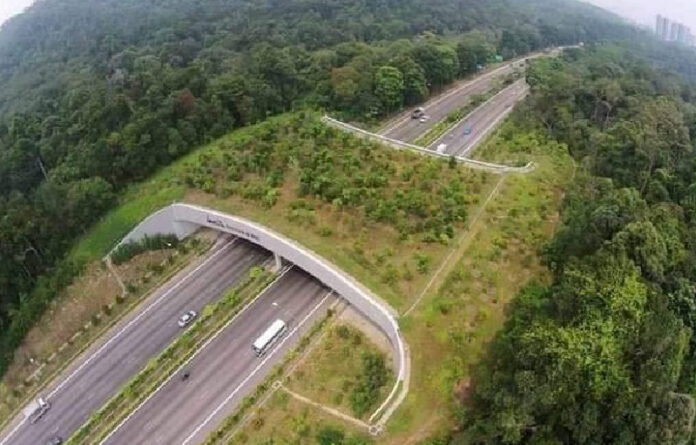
[
  {"x": 400, "y": 145},
  {"x": 183, "y": 219}
]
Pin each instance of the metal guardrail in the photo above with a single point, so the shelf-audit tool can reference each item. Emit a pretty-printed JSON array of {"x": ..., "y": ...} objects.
[{"x": 400, "y": 145}]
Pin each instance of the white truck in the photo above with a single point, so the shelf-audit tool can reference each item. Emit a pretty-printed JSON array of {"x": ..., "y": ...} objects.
[{"x": 36, "y": 409}]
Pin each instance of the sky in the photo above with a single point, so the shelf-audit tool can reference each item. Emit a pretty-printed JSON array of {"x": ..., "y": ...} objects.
[
  {"x": 644, "y": 11},
  {"x": 8, "y": 8},
  {"x": 641, "y": 11}
]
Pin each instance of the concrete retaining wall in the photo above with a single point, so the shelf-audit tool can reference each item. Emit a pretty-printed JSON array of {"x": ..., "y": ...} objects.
[{"x": 184, "y": 219}]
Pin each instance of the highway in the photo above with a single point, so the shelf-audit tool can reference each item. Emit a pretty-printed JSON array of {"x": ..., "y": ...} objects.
[
  {"x": 106, "y": 367},
  {"x": 407, "y": 129},
  {"x": 225, "y": 371},
  {"x": 481, "y": 121}
]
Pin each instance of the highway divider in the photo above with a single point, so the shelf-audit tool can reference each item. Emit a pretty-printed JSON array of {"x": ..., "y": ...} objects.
[{"x": 213, "y": 319}]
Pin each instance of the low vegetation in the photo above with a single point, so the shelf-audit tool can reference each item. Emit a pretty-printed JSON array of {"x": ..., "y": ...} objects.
[
  {"x": 450, "y": 329},
  {"x": 384, "y": 216},
  {"x": 345, "y": 371},
  {"x": 285, "y": 420}
]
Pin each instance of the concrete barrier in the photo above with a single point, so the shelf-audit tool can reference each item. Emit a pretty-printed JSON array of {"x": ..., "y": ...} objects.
[
  {"x": 183, "y": 219},
  {"x": 400, "y": 145}
]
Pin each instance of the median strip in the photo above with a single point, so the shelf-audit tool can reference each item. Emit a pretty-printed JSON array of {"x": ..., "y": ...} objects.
[{"x": 214, "y": 318}]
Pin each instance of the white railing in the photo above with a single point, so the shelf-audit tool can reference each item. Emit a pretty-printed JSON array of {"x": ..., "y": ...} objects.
[{"x": 400, "y": 145}]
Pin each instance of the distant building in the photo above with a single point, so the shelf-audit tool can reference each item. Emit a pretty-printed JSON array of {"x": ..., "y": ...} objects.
[{"x": 670, "y": 31}]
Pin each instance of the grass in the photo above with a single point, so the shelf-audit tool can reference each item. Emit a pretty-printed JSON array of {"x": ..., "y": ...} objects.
[
  {"x": 82, "y": 313},
  {"x": 332, "y": 369},
  {"x": 455, "y": 322}
]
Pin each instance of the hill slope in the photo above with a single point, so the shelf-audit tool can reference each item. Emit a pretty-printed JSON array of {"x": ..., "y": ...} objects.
[{"x": 97, "y": 94}]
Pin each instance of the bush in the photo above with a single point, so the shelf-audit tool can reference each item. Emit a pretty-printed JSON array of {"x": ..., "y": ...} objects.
[
  {"x": 374, "y": 376},
  {"x": 330, "y": 435}
]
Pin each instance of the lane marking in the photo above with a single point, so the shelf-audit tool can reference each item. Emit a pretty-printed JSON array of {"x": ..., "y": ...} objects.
[
  {"x": 248, "y": 305},
  {"x": 256, "y": 370},
  {"x": 120, "y": 333},
  {"x": 467, "y": 148},
  {"x": 452, "y": 127},
  {"x": 439, "y": 99}
]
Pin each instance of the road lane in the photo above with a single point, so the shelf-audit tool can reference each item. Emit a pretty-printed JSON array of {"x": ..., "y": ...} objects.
[
  {"x": 130, "y": 348},
  {"x": 407, "y": 129},
  {"x": 481, "y": 121},
  {"x": 178, "y": 412}
]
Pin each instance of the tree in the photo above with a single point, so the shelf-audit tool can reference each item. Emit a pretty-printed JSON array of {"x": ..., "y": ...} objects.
[{"x": 389, "y": 87}]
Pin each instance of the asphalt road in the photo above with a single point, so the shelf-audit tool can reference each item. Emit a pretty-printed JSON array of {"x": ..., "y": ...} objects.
[
  {"x": 481, "y": 121},
  {"x": 131, "y": 345},
  {"x": 407, "y": 129},
  {"x": 226, "y": 370}
]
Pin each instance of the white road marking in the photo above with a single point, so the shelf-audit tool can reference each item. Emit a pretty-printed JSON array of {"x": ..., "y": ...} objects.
[
  {"x": 132, "y": 413},
  {"x": 484, "y": 133},
  {"x": 256, "y": 370},
  {"x": 119, "y": 334}
]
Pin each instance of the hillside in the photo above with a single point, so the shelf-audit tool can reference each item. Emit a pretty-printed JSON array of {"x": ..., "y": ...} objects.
[{"x": 97, "y": 94}]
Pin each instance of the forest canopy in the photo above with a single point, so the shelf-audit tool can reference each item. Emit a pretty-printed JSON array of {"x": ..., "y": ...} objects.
[{"x": 97, "y": 94}]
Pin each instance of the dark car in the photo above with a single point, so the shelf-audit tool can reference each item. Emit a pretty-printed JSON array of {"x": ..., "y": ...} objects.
[{"x": 55, "y": 441}]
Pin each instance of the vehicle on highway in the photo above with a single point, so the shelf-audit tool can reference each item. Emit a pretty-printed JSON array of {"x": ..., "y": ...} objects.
[
  {"x": 269, "y": 336},
  {"x": 36, "y": 409},
  {"x": 55, "y": 441},
  {"x": 187, "y": 318},
  {"x": 423, "y": 119},
  {"x": 467, "y": 129},
  {"x": 418, "y": 113},
  {"x": 441, "y": 148}
]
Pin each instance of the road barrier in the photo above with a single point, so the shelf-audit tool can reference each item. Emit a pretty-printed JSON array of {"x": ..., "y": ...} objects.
[
  {"x": 400, "y": 145},
  {"x": 183, "y": 219}
]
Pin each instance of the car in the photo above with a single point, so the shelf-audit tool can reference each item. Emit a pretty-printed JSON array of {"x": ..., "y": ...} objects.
[
  {"x": 418, "y": 113},
  {"x": 55, "y": 441},
  {"x": 423, "y": 119},
  {"x": 186, "y": 318},
  {"x": 467, "y": 129}
]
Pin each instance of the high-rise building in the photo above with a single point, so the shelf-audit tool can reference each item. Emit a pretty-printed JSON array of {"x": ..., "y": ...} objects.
[
  {"x": 673, "y": 31},
  {"x": 659, "y": 26}
]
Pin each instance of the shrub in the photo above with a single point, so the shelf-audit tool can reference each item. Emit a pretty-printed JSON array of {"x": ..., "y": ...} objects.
[{"x": 373, "y": 377}]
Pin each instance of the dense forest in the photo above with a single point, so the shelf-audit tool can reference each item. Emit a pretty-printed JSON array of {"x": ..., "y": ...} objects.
[
  {"x": 606, "y": 353},
  {"x": 97, "y": 94}
]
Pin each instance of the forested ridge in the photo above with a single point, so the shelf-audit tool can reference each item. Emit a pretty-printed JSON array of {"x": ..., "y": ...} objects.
[
  {"x": 606, "y": 354},
  {"x": 97, "y": 94}
]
